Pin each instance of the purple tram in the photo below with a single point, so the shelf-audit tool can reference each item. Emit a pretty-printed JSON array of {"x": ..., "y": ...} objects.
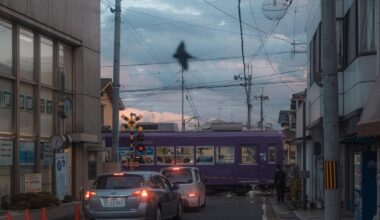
[{"x": 227, "y": 160}]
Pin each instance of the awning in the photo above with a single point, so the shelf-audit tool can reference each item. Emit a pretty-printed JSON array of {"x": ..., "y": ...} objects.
[{"x": 369, "y": 123}]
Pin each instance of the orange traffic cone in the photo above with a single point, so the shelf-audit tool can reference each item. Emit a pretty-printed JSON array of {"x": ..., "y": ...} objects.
[
  {"x": 77, "y": 211},
  {"x": 9, "y": 216},
  {"x": 43, "y": 214},
  {"x": 27, "y": 214}
]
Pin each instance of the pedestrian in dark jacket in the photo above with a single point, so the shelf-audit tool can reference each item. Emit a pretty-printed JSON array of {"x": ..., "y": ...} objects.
[{"x": 280, "y": 183}]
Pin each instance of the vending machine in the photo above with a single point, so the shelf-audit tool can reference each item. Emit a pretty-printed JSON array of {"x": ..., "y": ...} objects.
[{"x": 365, "y": 185}]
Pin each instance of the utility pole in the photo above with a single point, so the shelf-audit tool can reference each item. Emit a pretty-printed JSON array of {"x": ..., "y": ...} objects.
[
  {"x": 183, "y": 95},
  {"x": 330, "y": 110},
  {"x": 262, "y": 99},
  {"x": 249, "y": 105},
  {"x": 304, "y": 198},
  {"x": 116, "y": 83}
]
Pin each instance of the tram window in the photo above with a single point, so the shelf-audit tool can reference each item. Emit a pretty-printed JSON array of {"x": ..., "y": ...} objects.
[
  {"x": 205, "y": 154},
  {"x": 146, "y": 157},
  {"x": 165, "y": 155},
  {"x": 225, "y": 154},
  {"x": 185, "y": 155},
  {"x": 272, "y": 154},
  {"x": 248, "y": 155}
]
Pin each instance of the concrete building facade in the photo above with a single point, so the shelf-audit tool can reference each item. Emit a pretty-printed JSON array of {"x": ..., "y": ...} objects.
[
  {"x": 357, "y": 73},
  {"x": 50, "y": 52}
]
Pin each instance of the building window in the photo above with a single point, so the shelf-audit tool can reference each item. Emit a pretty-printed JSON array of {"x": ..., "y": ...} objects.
[
  {"x": 205, "y": 155},
  {"x": 27, "y": 114},
  {"x": 26, "y": 54},
  {"x": 165, "y": 155},
  {"x": 145, "y": 158},
  {"x": 46, "y": 155},
  {"x": 6, "y": 162},
  {"x": 6, "y": 105},
  {"x": 367, "y": 30},
  {"x": 272, "y": 154},
  {"x": 185, "y": 155},
  {"x": 46, "y": 61},
  {"x": 315, "y": 57},
  {"x": 6, "y": 53},
  {"x": 65, "y": 64},
  {"x": 225, "y": 154},
  {"x": 351, "y": 43},
  {"x": 248, "y": 155},
  {"x": 47, "y": 119}
]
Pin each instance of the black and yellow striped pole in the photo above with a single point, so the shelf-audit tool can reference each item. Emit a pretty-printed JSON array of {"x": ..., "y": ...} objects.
[{"x": 330, "y": 175}]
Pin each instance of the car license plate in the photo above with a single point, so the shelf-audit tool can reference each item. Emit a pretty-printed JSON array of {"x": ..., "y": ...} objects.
[{"x": 113, "y": 202}]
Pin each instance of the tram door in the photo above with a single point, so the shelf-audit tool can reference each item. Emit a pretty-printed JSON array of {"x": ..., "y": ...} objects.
[{"x": 263, "y": 164}]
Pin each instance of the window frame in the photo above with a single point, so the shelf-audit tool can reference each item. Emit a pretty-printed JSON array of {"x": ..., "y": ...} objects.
[
  {"x": 218, "y": 161},
  {"x": 256, "y": 147},
  {"x": 272, "y": 147},
  {"x": 359, "y": 50},
  {"x": 205, "y": 163},
  {"x": 172, "y": 156},
  {"x": 192, "y": 161}
]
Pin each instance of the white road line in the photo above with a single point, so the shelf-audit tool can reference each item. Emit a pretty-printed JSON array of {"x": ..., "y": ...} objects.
[{"x": 264, "y": 206}]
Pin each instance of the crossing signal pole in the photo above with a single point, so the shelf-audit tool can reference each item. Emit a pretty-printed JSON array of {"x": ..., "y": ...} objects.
[{"x": 131, "y": 124}]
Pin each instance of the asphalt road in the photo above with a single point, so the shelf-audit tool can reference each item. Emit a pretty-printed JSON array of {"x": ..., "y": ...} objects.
[{"x": 230, "y": 207}]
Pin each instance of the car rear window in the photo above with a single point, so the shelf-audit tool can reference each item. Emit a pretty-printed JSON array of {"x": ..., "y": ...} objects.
[
  {"x": 179, "y": 176},
  {"x": 119, "y": 182}
]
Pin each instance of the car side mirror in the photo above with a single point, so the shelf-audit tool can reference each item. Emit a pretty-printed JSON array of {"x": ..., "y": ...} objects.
[{"x": 175, "y": 186}]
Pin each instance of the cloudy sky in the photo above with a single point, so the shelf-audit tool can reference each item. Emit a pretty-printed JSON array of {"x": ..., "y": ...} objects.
[{"x": 151, "y": 31}]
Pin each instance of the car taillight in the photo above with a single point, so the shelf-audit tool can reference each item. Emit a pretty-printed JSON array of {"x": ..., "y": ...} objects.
[
  {"x": 89, "y": 194},
  {"x": 192, "y": 195},
  {"x": 141, "y": 193}
]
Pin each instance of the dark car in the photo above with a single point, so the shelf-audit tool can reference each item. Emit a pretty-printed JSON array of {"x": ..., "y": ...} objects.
[{"x": 132, "y": 195}]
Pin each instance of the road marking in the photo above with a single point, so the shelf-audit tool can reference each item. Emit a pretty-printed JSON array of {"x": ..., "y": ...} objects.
[{"x": 264, "y": 206}]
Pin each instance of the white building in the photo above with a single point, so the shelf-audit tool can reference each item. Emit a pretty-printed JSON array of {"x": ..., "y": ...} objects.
[{"x": 356, "y": 50}]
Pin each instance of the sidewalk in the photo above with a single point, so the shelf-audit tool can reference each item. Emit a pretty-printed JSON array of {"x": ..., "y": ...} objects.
[{"x": 283, "y": 212}]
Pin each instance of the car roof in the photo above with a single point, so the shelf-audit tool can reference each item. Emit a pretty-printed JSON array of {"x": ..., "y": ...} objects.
[{"x": 145, "y": 174}]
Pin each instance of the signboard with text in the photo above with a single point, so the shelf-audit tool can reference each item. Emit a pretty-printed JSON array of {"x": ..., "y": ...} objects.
[
  {"x": 61, "y": 175},
  {"x": 33, "y": 182}
]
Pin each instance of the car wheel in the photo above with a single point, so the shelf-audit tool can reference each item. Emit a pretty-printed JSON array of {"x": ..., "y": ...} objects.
[
  {"x": 180, "y": 211},
  {"x": 158, "y": 214}
]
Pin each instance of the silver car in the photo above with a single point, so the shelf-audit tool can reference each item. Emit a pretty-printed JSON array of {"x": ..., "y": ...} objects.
[
  {"x": 132, "y": 195},
  {"x": 191, "y": 185}
]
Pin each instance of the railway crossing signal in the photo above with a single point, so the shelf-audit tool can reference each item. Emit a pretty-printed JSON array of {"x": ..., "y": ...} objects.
[
  {"x": 140, "y": 138},
  {"x": 131, "y": 124}
]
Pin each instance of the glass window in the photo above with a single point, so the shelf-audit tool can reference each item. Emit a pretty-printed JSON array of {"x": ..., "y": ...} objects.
[
  {"x": 165, "y": 155},
  {"x": 225, "y": 154},
  {"x": 145, "y": 158},
  {"x": 272, "y": 154},
  {"x": 27, "y": 160},
  {"x": 248, "y": 155},
  {"x": 197, "y": 175},
  {"x": 351, "y": 34},
  {"x": 367, "y": 30},
  {"x": 6, "y": 105},
  {"x": 65, "y": 62},
  {"x": 6, "y": 161},
  {"x": 46, "y": 155},
  {"x": 119, "y": 182},
  {"x": 6, "y": 53},
  {"x": 185, "y": 155},
  {"x": 47, "y": 121},
  {"x": 27, "y": 114},
  {"x": 205, "y": 154},
  {"x": 46, "y": 62},
  {"x": 179, "y": 176},
  {"x": 26, "y": 54},
  {"x": 69, "y": 120}
]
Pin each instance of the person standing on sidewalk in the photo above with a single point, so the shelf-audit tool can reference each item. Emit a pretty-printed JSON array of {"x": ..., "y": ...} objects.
[{"x": 279, "y": 183}]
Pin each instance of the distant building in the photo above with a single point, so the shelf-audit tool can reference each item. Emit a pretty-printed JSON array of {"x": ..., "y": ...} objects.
[{"x": 106, "y": 93}]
